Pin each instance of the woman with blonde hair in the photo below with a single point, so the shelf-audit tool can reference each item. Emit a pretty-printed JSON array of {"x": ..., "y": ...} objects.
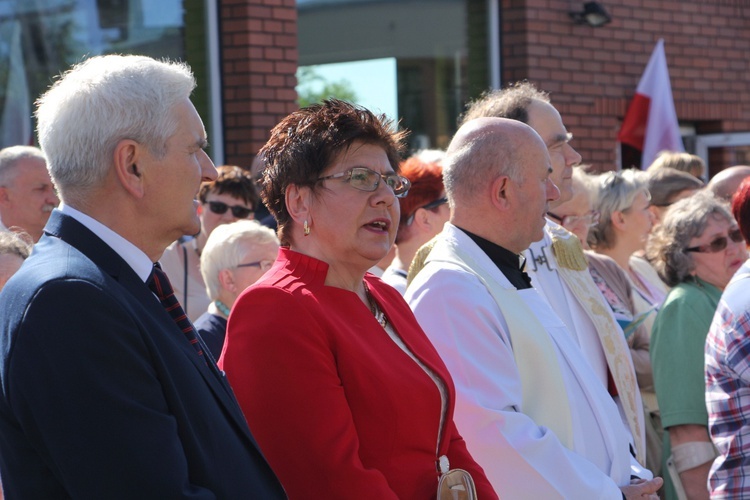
[{"x": 625, "y": 221}]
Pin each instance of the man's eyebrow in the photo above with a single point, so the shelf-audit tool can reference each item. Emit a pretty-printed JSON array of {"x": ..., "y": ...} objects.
[
  {"x": 202, "y": 143},
  {"x": 558, "y": 138}
]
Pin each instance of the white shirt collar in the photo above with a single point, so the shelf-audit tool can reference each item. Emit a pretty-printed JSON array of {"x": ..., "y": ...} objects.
[{"x": 134, "y": 256}]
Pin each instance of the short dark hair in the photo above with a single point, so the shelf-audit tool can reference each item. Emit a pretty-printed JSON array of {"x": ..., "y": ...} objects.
[
  {"x": 307, "y": 141},
  {"x": 235, "y": 182},
  {"x": 511, "y": 102}
]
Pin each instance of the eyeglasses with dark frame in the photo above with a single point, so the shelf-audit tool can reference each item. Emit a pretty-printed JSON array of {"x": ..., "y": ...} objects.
[
  {"x": 264, "y": 265},
  {"x": 366, "y": 179},
  {"x": 718, "y": 244},
  {"x": 591, "y": 219},
  {"x": 220, "y": 208},
  {"x": 429, "y": 206}
]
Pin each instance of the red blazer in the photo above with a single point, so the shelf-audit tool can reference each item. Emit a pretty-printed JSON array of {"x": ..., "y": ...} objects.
[{"x": 338, "y": 409}]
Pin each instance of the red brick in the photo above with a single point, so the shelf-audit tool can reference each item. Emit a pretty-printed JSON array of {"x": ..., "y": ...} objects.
[
  {"x": 274, "y": 81},
  {"x": 285, "y": 14},
  {"x": 273, "y": 27},
  {"x": 261, "y": 39},
  {"x": 285, "y": 67},
  {"x": 285, "y": 40},
  {"x": 273, "y": 54}
]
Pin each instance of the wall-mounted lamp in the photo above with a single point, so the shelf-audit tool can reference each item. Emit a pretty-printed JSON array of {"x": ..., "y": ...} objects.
[{"x": 593, "y": 14}]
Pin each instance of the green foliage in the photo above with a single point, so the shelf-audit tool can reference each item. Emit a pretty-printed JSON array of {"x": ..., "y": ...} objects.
[{"x": 313, "y": 88}]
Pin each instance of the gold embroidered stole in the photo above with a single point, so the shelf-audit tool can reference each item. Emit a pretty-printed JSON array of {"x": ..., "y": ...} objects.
[{"x": 573, "y": 269}]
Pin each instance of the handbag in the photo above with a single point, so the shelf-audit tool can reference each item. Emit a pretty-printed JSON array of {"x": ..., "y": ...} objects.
[{"x": 456, "y": 484}]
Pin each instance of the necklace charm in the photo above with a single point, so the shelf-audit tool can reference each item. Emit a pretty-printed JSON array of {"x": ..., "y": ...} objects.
[
  {"x": 374, "y": 309},
  {"x": 380, "y": 316}
]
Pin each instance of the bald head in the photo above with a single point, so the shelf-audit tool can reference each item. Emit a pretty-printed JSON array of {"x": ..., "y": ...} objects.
[
  {"x": 499, "y": 168},
  {"x": 724, "y": 184},
  {"x": 481, "y": 149}
]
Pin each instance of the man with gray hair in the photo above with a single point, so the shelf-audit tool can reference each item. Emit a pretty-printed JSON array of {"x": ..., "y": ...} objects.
[
  {"x": 528, "y": 405},
  {"x": 27, "y": 195},
  {"x": 107, "y": 391},
  {"x": 557, "y": 265}
]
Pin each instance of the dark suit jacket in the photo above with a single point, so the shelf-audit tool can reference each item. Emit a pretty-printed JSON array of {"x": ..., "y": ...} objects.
[
  {"x": 102, "y": 395},
  {"x": 212, "y": 329}
]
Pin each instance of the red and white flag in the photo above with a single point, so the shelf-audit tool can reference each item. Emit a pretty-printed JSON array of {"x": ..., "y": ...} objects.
[{"x": 650, "y": 125}]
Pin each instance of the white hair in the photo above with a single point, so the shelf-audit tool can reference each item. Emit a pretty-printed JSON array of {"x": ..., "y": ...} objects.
[
  {"x": 11, "y": 155},
  {"x": 98, "y": 103},
  {"x": 225, "y": 249}
]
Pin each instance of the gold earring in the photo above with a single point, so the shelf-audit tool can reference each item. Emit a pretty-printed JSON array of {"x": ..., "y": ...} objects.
[{"x": 306, "y": 228}]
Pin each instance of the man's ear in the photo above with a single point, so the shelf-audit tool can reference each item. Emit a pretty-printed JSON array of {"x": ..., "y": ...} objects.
[
  {"x": 298, "y": 203},
  {"x": 500, "y": 192},
  {"x": 128, "y": 172}
]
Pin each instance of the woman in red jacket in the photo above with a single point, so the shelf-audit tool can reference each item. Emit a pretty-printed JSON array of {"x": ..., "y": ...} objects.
[{"x": 341, "y": 388}]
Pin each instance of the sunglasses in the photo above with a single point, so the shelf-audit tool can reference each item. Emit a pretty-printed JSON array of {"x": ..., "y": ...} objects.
[
  {"x": 429, "y": 206},
  {"x": 220, "y": 208},
  {"x": 719, "y": 243},
  {"x": 365, "y": 179}
]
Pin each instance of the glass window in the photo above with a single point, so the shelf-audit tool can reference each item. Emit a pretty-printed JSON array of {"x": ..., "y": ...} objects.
[
  {"x": 42, "y": 38},
  {"x": 429, "y": 54}
]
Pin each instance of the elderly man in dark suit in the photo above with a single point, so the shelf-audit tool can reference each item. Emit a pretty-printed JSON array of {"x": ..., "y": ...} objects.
[{"x": 107, "y": 392}]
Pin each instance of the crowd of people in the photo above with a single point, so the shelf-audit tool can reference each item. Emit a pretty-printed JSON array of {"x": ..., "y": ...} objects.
[{"x": 538, "y": 331}]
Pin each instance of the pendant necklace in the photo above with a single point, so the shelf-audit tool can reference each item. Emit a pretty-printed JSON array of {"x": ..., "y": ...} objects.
[{"x": 374, "y": 309}]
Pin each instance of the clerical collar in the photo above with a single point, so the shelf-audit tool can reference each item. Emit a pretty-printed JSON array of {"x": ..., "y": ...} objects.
[{"x": 509, "y": 263}]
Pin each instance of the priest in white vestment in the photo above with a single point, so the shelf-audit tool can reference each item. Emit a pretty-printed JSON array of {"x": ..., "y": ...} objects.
[
  {"x": 564, "y": 279},
  {"x": 529, "y": 405}
]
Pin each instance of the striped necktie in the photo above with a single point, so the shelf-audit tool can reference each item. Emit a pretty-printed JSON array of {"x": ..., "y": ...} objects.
[{"x": 160, "y": 285}]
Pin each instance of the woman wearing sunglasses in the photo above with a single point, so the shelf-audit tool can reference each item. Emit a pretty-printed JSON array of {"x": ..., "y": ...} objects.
[
  {"x": 341, "y": 388},
  {"x": 231, "y": 197},
  {"x": 696, "y": 249}
]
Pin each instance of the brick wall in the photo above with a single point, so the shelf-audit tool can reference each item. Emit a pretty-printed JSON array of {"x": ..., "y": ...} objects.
[
  {"x": 259, "y": 62},
  {"x": 592, "y": 73}
]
